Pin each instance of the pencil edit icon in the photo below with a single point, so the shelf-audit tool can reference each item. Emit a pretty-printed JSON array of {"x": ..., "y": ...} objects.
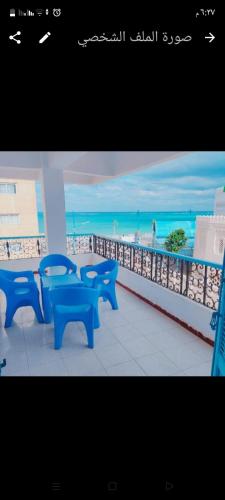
[{"x": 42, "y": 40}]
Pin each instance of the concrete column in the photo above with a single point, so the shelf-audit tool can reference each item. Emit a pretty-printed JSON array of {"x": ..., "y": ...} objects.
[{"x": 54, "y": 209}]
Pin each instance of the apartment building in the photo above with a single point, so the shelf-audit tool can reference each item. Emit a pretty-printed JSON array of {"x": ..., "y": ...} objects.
[
  {"x": 210, "y": 232},
  {"x": 18, "y": 208}
]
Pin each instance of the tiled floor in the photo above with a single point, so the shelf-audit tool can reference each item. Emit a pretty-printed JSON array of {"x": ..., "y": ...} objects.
[{"x": 135, "y": 340}]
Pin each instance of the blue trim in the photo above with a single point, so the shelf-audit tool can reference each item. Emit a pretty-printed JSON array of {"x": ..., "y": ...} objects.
[
  {"x": 21, "y": 237},
  {"x": 39, "y": 236},
  {"x": 79, "y": 234}
]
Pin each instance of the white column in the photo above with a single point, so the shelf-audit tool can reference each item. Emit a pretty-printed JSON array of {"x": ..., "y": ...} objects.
[{"x": 54, "y": 209}]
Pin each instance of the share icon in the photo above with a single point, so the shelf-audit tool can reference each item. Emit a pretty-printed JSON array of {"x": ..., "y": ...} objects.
[{"x": 12, "y": 37}]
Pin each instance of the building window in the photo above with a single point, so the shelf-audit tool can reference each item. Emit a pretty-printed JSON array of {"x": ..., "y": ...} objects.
[
  {"x": 7, "y": 188},
  {"x": 9, "y": 219}
]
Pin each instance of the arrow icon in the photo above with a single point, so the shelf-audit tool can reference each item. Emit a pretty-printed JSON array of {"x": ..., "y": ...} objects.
[{"x": 211, "y": 37}]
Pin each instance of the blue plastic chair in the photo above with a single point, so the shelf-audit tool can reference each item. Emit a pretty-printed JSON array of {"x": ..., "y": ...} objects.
[
  {"x": 20, "y": 294},
  {"x": 104, "y": 281},
  {"x": 73, "y": 304},
  {"x": 68, "y": 278}
]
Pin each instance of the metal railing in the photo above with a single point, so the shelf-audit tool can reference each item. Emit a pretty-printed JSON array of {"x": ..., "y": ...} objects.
[
  {"x": 79, "y": 243},
  {"x": 193, "y": 278},
  {"x": 22, "y": 247},
  {"x": 28, "y": 247}
]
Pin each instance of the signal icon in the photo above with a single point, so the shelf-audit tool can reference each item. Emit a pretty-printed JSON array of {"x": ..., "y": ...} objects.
[{"x": 25, "y": 13}]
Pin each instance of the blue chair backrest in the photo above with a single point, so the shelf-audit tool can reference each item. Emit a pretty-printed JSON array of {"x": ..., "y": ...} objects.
[
  {"x": 218, "y": 364},
  {"x": 72, "y": 296},
  {"x": 56, "y": 260},
  {"x": 110, "y": 266}
]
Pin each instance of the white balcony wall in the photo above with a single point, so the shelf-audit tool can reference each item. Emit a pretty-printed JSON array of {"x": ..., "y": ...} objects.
[
  {"x": 193, "y": 314},
  {"x": 33, "y": 264},
  {"x": 210, "y": 238}
]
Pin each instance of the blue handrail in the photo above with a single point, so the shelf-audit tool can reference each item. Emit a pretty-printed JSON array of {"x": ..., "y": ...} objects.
[
  {"x": 38, "y": 236},
  {"x": 79, "y": 234},
  {"x": 21, "y": 237}
]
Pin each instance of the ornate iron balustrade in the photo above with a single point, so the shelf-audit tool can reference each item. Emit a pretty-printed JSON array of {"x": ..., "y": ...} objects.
[
  {"x": 195, "y": 279},
  {"x": 22, "y": 247},
  {"x": 29, "y": 247},
  {"x": 79, "y": 243}
]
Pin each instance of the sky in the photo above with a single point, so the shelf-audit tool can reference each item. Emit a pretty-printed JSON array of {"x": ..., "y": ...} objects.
[{"x": 187, "y": 183}]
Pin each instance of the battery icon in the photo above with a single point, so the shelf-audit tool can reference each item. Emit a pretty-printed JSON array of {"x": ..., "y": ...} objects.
[{"x": 12, "y": 13}]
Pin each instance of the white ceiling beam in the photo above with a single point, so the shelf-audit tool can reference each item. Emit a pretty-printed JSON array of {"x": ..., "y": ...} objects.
[
  {"x": 81, "y": 167},
  {"x": 20, "y": 159}
]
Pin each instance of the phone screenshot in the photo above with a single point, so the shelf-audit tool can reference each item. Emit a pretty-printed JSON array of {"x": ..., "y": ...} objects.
[{"x": 112, "y": 241}]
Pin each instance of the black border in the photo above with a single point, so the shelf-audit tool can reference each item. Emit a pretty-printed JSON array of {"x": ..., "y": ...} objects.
[{"x": 119, "y": 426}]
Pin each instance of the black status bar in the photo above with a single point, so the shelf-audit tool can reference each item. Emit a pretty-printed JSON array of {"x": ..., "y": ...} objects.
[{"x": 169, "y": 28}]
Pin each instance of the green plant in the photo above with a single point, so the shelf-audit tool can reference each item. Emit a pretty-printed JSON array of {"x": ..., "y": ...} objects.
[{"x": 175, "y": 240}]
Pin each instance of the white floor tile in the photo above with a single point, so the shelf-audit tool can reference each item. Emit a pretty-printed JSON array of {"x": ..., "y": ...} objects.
[
  {"x": 103, "y": 337},
  {"x": 134, "y": 316},
  {"x": 16, "y": 363},
  {"x": 155, "y": 325},
  {"x": 157, "y": 364},
  {"x": 202, "y": 370},
  {"x": 27, "y": 313},
  {"x": 84, "y": 364},
  {"x": 160, "y": 339},
  {"x": 37, "y": 335},
  {"x": 4, "y": 342},
  {"x": 42, "y": 355},
  {"x": 51, "y": 369},
  {"x": 12, "y": 338},
  {"x": 184, "y": 357},
  {"x": 139, "y": 347},
  {"x": 128, "y": 369},
  {"x": 123, "y": 333},
  {"x": 204, "y": 350},
  {"x": 113, "y": 318},
  {"x": 19, "y": 373},
  {"x": 113, "y": 355},
  {"x": 178, "y": 374},
  {"x": 179, "y": 333}
]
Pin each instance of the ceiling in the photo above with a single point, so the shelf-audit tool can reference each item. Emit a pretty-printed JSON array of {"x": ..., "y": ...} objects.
[{"x": 80, "y": 167}]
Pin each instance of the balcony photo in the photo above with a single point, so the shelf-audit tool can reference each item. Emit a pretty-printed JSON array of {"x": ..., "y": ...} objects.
[{"x": 112, "y": 263}]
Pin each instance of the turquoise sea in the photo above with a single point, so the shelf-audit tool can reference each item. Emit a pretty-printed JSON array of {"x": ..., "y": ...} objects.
[{"x": 109, "y": 223}]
